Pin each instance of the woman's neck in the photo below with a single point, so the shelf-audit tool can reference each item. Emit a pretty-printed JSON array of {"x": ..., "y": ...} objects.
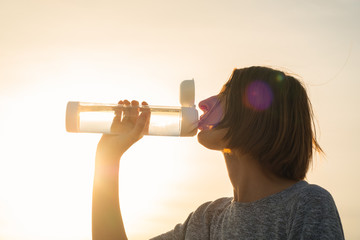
[{"x": 250, "y": 180}]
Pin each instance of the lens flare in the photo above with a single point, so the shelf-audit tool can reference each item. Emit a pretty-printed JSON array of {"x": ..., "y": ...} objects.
[
  {"x": 280, "y": 77},
  {"x": 258, "y": 96}
]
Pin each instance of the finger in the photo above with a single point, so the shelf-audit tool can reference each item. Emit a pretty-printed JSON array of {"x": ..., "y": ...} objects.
[
  {"x": 145, "y": 107},
  {"x": 146, "y": 110},
  {"x": 141, "y": 126},
  {"x": 126, "y": 110},
  {"x": 118, "y": 110},
  {"x": 115, "y": 125},
  {"x": 134, "y": 111},
  {"x": 147, "y": 123},
  {"x": 134, "y": 103},
  {"x": 144, "y": 104}
]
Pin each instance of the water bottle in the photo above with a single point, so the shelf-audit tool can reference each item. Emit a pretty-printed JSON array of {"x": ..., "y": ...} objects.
[{"x": 164, "y": 120}]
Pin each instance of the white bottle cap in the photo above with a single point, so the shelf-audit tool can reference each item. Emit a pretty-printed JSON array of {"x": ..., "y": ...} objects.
[
  {"x": 187, "y": 93},
  {"x": 189, "y": 121},
  {"x": 72, "y": 118},
  {"x": 189, "y": 114}
]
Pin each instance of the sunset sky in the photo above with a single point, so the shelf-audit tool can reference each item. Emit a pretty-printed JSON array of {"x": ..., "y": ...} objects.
[{"x": 52, "y": 52}]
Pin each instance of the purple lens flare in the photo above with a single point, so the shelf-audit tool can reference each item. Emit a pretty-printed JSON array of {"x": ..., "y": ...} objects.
[{"x": 258, "y": 96}]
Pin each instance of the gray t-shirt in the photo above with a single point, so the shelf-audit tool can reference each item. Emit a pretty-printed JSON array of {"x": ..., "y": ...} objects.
[{"x": 302, "y": 211}]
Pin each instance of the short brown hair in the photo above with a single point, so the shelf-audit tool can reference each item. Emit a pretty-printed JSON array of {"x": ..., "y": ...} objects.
[{"x": 269, "y": 116}]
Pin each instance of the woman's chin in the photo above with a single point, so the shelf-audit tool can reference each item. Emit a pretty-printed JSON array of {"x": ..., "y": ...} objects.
[
  {"x": 202, "y": 139},
  {"x": 211, "y": 138}
]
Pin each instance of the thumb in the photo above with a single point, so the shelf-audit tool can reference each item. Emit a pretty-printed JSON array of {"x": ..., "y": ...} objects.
[{"x": 142, "y": 123}]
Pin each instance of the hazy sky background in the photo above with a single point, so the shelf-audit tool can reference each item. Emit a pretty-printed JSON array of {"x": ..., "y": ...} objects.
[{"x": 52, "y": 52}]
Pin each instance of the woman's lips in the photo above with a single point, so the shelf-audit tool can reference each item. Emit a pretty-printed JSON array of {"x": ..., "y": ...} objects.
[
  {"x": 213, "y": 113},
  {"x": 210, "y": 119}
]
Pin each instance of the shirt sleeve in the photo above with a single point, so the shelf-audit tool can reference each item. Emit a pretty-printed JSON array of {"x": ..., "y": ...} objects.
[
  {"x": 316, "y": 218},
  {"x": 179, "y": 232},
  {"x": 196, "y": 226}
]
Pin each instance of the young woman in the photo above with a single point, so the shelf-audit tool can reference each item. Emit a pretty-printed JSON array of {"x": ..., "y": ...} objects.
[{"x": 262, "y": 121}]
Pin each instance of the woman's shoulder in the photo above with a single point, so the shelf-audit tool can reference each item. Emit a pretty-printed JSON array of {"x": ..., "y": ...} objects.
[
  {"x": 213, "y": 207},
  {"x": 305, "y": 192},
  {"x": 313, "y": 213},
  {"x": 310, "y": 197},
  {"x": 216, "y": 205}
]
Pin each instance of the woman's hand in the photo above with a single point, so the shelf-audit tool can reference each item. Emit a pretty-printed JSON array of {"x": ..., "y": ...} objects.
[{"x": 129, "y": 125}]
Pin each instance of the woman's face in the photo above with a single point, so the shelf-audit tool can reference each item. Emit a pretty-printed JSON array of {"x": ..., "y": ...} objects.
[{"x": 213, "y": 108}]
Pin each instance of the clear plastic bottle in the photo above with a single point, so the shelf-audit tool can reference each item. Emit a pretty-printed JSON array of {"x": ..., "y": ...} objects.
[
  {"x": 164, "y": 121},
  {"x": 98, "y": 118}
]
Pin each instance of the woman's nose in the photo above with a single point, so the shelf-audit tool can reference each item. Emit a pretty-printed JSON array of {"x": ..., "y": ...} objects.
[{"x": 206, "y": 104}]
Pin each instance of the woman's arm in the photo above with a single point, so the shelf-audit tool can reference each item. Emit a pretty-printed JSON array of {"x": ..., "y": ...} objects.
[
  {"x": 106, "y": 216},
  {"x": 107, "y": 221}
]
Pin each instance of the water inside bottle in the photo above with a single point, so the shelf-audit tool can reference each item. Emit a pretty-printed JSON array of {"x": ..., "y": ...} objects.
[
  {"x": 165, "y": 121},
  {"x": 96, "y": 121}
]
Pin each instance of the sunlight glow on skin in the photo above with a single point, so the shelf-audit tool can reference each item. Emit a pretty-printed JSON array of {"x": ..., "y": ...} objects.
[
  {"x": 227, "y": 150},
  {"x": 258, "y": 96}
]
